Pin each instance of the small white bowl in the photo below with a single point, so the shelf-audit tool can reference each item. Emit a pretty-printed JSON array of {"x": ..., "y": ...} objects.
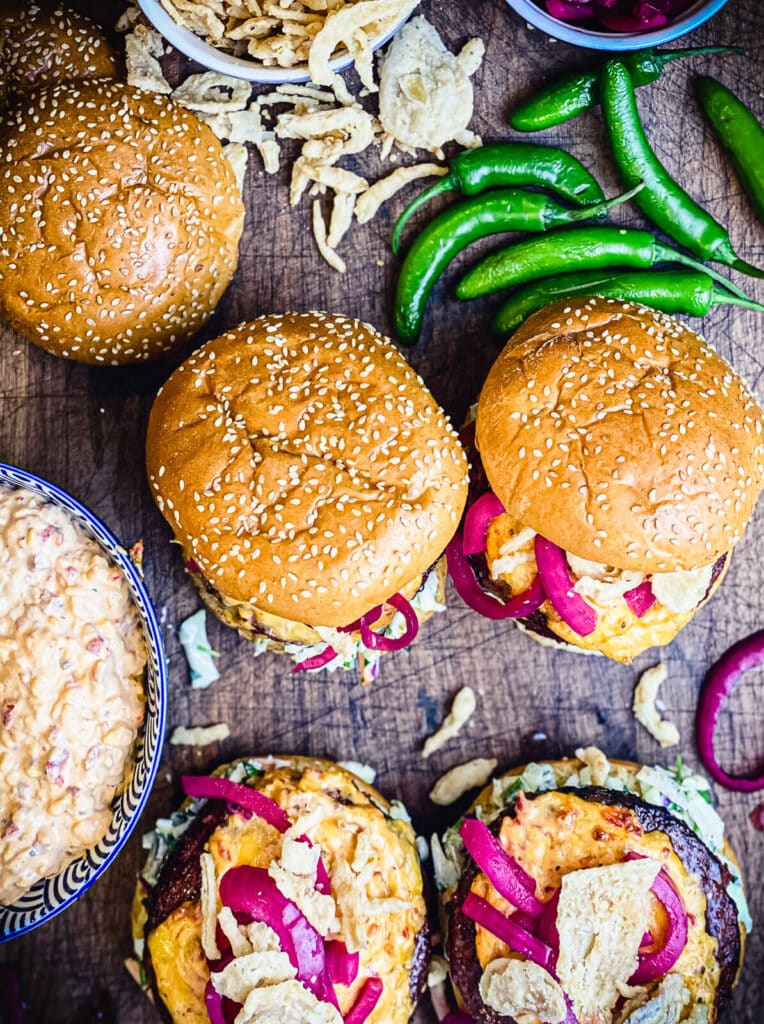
[
  {"x": 197, "y": 49},
  {"x": 690, "y": 19}
]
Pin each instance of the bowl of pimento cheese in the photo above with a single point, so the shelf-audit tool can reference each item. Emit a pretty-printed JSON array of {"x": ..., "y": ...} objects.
[{"x": 83, "y": 688}]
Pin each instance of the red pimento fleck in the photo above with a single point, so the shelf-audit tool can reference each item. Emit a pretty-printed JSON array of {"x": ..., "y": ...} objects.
[
  {"x": 622, "y": 818},
  {"x": 95, "y": 646},
  {"x": 49, "y": 532},
  {"x": 7, "y": 713},
  {"x": 54, "y": 766}
]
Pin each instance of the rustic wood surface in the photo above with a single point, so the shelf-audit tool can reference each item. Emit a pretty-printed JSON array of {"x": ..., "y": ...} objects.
[{"x": 84, "y": 429}]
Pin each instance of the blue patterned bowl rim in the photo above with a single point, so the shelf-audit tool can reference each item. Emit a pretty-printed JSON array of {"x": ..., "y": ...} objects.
[
  {"x": 50, "y": 897},
  {"x": 687, "y": 21}
]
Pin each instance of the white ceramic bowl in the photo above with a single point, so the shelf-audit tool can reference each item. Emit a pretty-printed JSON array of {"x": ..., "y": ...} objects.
[
  {"x": 695, "y": 16},
  {"x": 50, "y": 896},
  {"x": 197, "y": 49}
]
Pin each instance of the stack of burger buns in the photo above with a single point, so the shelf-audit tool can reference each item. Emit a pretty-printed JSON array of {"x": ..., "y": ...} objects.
[{"x": 127, "y": 251}]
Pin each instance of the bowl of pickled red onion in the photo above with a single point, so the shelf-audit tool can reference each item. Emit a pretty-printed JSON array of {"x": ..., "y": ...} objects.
[{"x": 616, "y": 24}]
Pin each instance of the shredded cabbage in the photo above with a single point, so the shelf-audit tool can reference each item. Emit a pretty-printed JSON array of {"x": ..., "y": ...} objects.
[{"x": 196, "y": 647}]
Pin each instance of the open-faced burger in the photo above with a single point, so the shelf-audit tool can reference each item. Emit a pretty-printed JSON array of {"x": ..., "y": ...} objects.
[
  {"x": 313, "y": 483},
  {"x": 617, "y": 460},
  {"x": 284, "y": 889},
  {"x": 594, "y": 892}
]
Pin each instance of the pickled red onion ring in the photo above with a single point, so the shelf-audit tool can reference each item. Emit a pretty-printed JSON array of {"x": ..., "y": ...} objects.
[
  {"x": 476, "y": 521},
  {"x": 719, "y": 683},
  {"x": 251, "y": 891},
  {"x": 654, "y": 965},
  {"x": 546, "y": 929},
  {"x": 213, "y": 1003},
  {"x": 376, "y": 641},
  {"x": 503, "y": 871},
  {"x": 317, "y": 661},
  {"x": 366, "y": 1001},
  {"x": 509, "y": 932},
  {"x": 341, "y": 965},
  {"x": 640, "y": 599},
  {"x": 558, "y": 586},
  {"x": 566, "y": 10},
  {"x": 469, "y": 590},
  {"x": 211, "y": 787}
]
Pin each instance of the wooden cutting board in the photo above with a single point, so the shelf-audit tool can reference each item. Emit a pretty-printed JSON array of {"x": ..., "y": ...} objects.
[{"x": 84, "y": 429}]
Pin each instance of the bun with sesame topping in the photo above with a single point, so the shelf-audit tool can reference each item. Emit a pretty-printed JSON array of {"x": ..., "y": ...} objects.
[
  {"x": 310, "y": 477},
  {"x": 44, "y": 44},
  {"x": 618, "y": 435},
  {"x": 120, "y": 221}
]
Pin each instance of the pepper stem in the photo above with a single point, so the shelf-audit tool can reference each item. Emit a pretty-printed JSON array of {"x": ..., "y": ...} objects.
[
  {"x": 665, "y": 254},
  {"x": 447, "y": 184},
  {"x": 720, "y": 297},
  {"x": 663, "y": 57},
  {"x": 600, "y": 209},
  {"x": 747, "y": 268}
]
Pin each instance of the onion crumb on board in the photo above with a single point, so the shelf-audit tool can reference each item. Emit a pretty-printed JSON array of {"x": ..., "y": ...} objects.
[
  {"x": 327, "y": 118},
  {"x": 199, "y": 735},
  {"x": 461, "y": 711},
  {"x": 645, "y": 706},
  {"x": 461, "y": 779}
]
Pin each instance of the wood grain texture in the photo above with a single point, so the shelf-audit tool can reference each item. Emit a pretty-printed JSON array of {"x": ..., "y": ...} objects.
[{"x": 84, "y": 429}]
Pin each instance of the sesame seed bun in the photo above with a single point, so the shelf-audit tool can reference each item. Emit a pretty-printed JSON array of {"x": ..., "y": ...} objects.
[
  {"x": 305, "y": 467},
  {"x": 44, "y": 44},
  {"x": 126, "y": 251},
  {"x": 619, "y": 434}
]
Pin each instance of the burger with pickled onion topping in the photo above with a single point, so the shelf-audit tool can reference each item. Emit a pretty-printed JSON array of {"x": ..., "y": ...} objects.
[
  {"x": 592, "y": 892},
  {"x": 283, "y": 889},
  {"x": 616, "y": 462},
  {"x": 313, "y": 483}
]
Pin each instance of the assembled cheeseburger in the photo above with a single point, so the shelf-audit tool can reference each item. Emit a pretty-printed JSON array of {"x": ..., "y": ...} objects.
[
  {"x": 617, "y": 462},
  {"x": 592, "y": 892},
  {"x": 284, "y": 889},
  {"x": 313, "y": 483}
]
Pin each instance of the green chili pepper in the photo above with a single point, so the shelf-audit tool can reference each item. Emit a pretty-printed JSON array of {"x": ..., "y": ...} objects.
[
  {"x": 509, "y": 164},
  {"x": 741, "y": 134},
  {"x": 457, "y": 227},
  {"x": 570, "y": 96},
  {"x": 589, "y": 248},
  {"x": 691, "y": 292},
  {"x": 662, "y": 200}
]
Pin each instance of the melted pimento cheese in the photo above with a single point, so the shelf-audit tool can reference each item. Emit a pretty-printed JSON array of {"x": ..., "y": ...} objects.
[{"x": 71, "y": 690}]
